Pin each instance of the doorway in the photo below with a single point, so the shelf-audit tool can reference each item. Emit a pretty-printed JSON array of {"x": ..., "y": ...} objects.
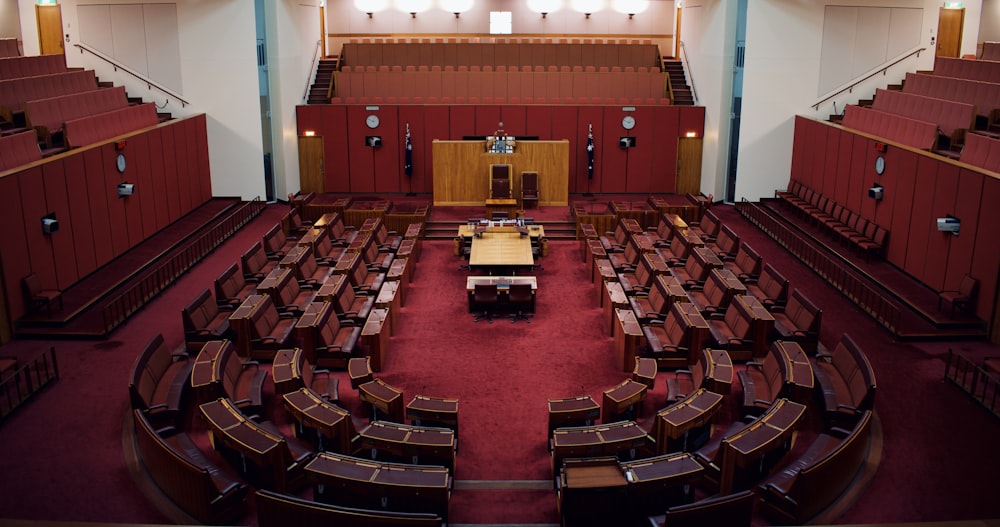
[
  {"x": 50, "y": 29},
  {"x": 949, "y": 33}
]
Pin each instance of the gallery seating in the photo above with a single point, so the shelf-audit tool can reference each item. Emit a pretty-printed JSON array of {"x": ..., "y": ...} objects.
[
  {"x": 158, "y": 381},
  {"x": 977, "y": 70},
  {"x": 100, "y": 127},
  {"x": 799, "y": 321},
  {"x": 847, "y": 382},
  {"x": 19, "y": 149},
  {"x": 32, "y": 66},
  {"x": 15, "y": 92},
  {"x": 953, "y": 118},
  {"x": 206, "y": 491},
  {"x": 991, "y": 51},
  {"x": 9, "y": 47},
  {"x": 819, "y": 477},
  {"x": 256, "y": 265},
  {"x": 231, "y": 288},
  {"x": 280, "y": 510},
  {"x": 914, "y": 133},
  {"x": 771, "y": 289},
  {"x": 984, "y": 96},
  {"x": 204, "y": 320},
  {"x": 47, "y": 116},
  {"x": 982, "y": 151},
  {"x": 326, "y": 342}
]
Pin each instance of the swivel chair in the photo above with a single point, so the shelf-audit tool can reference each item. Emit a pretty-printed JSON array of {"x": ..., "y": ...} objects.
[
  {"x": 520, "y": 298},
  {"x": 485, "y": 299}
]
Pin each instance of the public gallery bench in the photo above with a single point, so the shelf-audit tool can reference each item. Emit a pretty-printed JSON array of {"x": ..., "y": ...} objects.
[
  {"x": 158, "y": 381},
  {"x": 981, "y": 151},
  {"x": 984, "y": 96},
  {"x": 18, "y": 149},
  {"x": 953, "y": 118},
  {"x": 904, "y": 130},
  {"x": 819, "y": 476},
  {"x": 185, "y": 475},
  {"x": 32, "y": 66},
  {"x": 103, "y": 126},
  {"x": 14, "y": 93},
  {"x": 47, "y": 116},
  {"x": 847, "y": 382},
  {"x": 281, "y": 510},
  {"x": 977, "y": 70}
]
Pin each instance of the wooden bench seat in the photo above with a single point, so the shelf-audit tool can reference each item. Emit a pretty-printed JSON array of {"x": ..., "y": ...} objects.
[
  {"x": 47, "y": 116},
  {"x": 31, "y": 66},
  {"x": 904, "y": 130},
  {"x": 14, "y": 93},
  {"x": 100, "y": 127},
  {"x": 158, "y": 382},
  {"x": 846, "y": 381},
  {"x": 19, "y": 149},
  {"x": 953, "y": 118},
  {"x": 187, "y": 477}
]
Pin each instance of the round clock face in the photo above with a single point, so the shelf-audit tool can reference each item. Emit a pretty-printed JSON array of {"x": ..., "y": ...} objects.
[
  {"x": 120, "y": 163},
  {"x": 628, "y": 122},
  {"x": 372, "y": 121},
  {"x": 879, "y": 165}
]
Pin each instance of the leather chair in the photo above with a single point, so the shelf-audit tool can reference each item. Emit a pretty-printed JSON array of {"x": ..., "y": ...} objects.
[
  {"x": 327, "y": 343},
  {"x": 464, "y": 248},
  {"x": 485, "y": 297},
  {"x": 231, "y": 288},
  {"x": 962, "y": 298},
  {"x": 256, "y": 264},
  {"x": 529, "y": 189},
  {"x": 203, "y": 320},
  {"x": 500, "y": 188},
  {"x": 522, "y": 299},
  {"x": 39, "y": 298}
]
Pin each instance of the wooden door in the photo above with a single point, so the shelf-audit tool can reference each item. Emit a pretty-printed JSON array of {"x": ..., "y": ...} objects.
[
  {"x": 50, "y": 31},
  {"x": 312, "y": 176},
  {"x": 688, "y": 165},
  {"x": 949, "y": 34},
  {"x": 677, "y": 35}
]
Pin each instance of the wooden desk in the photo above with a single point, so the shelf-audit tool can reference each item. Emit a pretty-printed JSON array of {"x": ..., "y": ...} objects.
[
  {"x": 620, "y": 399},
  {"x": 762, "y": 324},
  {"x": 655, "y": 484},
  {"x": 628, "y": 337},
  {"x": 361, "y": 483},
  {"x": 359, "y": 369},
  {"x": 746, "y": 448},
  {"x": 592, "y": 249},
  {"x": 375, "y": 337},
  {"x": 423, "y": 444},
  {"x": 614, "y": 298},
  {"x": 333, "y": 424},
  {"x": 239, "y": 321},
  {"x": 501, "y": 249},
  {"x": 503, "y": 285},
  {"x": 573, "y": 411},
  {"x": 400, "y": 271},
  {"x": 534, "y": 231},
  {"x": 433, "y": 411},
  {"x": 385, "y": 400},
  {"x": 204, "y": 383},
  {"x": 672, "y": 289},
  {"x": 799, "y": 379},
  {"x": 645, "y": 371},
  {"x": 294, "y": 257},
  {"x": 591, "y": 491},
  {"x": 508, "y": 205},
  {"x": 719, "y": 371},
  {"x": 601, "y": 272},
  {"x": 285, "y": 371},
  {"x": 597, "y": 440},
  {"x": 388, "y": 298},
  {"x": 674, "y": 425}
]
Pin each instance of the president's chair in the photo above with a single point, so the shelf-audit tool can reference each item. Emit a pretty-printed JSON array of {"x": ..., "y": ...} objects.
[
  {"x": 529, "y": 189},
  {"x": 500, "y": 181}
]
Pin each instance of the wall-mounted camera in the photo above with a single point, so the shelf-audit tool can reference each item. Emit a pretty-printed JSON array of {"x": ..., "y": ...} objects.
[
  {"x": 876, "y": 192},
  {"x": 949, "y": 224},
  {"x": 626, "y": 142},
  {"x": 373, "y": 141},
  {"x": 125, "y": 189},
  {"x": 49, "y": 223}
]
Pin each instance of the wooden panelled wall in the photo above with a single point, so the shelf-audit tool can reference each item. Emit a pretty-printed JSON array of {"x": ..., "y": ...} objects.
[
  {"x": 352, "y": 166},
  {"x": 169, "y": 167},
  {"x": 463, "y": 171},
  {"x": 919, "y": 187}
]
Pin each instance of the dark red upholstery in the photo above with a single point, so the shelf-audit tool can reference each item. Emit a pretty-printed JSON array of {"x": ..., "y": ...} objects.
[
  {"x": 203, "y": 319},
  {"x": 100, "y": 127},
  {"x": 18, "y": 149}
]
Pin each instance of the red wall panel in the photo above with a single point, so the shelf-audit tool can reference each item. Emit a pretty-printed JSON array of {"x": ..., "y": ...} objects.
[
  {"x": 565, "y": 125},
  {"x": 692, "y": 119},
  {"x": 638, "y": 167},
  {"x": 538, "y": 122},
  {"x": 388, "y": 158},
  {"x": 857, "y": 185},
  {"x": 515, "y": 120},
  {"x": 845, "y": 158},
  {"x": 157, "y": 176},
  {"x": 332, "y": 126},
  {"x": 97, "y": 195},
  {"x": 799, "y": 146},
  {"x": 437, "y": 125},
  {"x": 182, "y": 148},
  {"x": 14, "y": 244},
  {"x": 120, "y": 241},
  {"x": 204, "y": 162},
  {"x": 902, "y": 176},
  {"x": 986, "y": 255},
  {"x": 462, "y": 122},
  {"x": 361, "y": 168},
  {"x": 968, "y": 200},
  {"x": 34, "y": 207},
  {"x": 945, "y": 191},
  {"x": 614, "y": 158},
  {"x": 829, "y": 174},
  {"x": 921, "y": 217},
  {"x": 79, "y": 220},
  {"x": 487, "y": 120},
  {"x": 663, "y": 168},
  {"x": 57, "y": 201},
  {"x": 170, "y": 175},
  {"x": 145, "y": 193},
  {"x": 194, "y": 186}
]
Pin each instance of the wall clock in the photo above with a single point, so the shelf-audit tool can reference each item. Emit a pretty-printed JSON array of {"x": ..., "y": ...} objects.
[
  {"x": 120, "y": 163},
  {"x": 628, "y": 122},
  {"x": 372, "y": 121},
  {"x": 879, "y": 165}
]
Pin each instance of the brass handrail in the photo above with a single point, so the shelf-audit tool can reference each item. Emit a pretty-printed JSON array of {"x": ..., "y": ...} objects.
[
  {"x": 881, "y": 70},
  {"x": 149, "y": 83}
]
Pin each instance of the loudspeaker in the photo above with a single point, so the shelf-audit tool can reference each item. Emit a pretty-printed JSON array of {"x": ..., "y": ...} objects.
[
  {"x": 50, "y": 224},
  {"x": 373, "y": 141},
  {"x": 125, "y": 189},
  {"x": 626, "y": 142},
  {"x": 875, "y": 192},
  {"x": 949, "y": 224}
]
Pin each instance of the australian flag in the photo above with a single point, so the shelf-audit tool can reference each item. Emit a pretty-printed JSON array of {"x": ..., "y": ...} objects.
[
  {"x": 408, "y": 163},
  {"x": 590, "y": 153}
]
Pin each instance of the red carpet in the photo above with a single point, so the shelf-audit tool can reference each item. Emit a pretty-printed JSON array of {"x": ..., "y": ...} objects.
[{"x": 63, "y": 458}]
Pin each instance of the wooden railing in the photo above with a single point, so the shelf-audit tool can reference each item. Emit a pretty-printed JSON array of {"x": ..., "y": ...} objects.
[
  {"x": 163, "y": 273},
  {"x": 982, "y": 385},
  {"x": 26, "y": 380},
  {"x": 839, "y": 275}
]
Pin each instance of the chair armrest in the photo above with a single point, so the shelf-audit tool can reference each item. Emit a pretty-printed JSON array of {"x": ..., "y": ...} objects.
[
  {"x": 756, "y": 364},
  {"x": 242, "y": 401},
  {"x": 762, "y": 402},
  {"x": 255, "y": 364},
  {"x": 234, "y": 486},
  {"x": 286, "y": 315},
  {"x": 322, "y": 371},
  {"x": 838, "y": 432},
  {"x": 678, "y": 373},
  {"x": 847, "y": 407},
  {"x": 160, "y": 406},
  {"x": 179, "y": 356}
]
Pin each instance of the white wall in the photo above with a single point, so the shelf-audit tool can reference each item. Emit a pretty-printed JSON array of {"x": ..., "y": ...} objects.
[
  {"x": 784, "y": 38},
  {"x": 219, "y": 71},
  {"x": 989, "y": 28},
  {"x": 293, "y": 31},
  {"x": 9, "y": 27}
]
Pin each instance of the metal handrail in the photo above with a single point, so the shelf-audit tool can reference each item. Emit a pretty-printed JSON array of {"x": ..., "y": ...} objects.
[
  {"x": 149, "y": 83},
  {"x": 690, "y": 74},
  {"x": 881, "y": 70},
  {"x": 312, "y": 71}
]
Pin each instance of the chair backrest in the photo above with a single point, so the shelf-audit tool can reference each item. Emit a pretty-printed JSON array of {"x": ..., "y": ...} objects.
[
  {"x": 519, "y": 293},
  {"x": 199, "y": 312},
  {"x": 254, "y": 259},
  {"x": 485, "y": 293},
  {"x": 274, "y": 239},
  {"x": 499, "y": 188},
  {"x": 500, "y": 171},
  {"x": 529, "y": 183},
  {"x": 329, "y": 328},
  {"x": 32, "y": 286},
  {"x": 773, "y": 284},
  {"x": 968, "y": 286},
  {"x": 727, "y": 241},
  {"x": 229, "y": 283},
  {"x": 803, "y": 312}
]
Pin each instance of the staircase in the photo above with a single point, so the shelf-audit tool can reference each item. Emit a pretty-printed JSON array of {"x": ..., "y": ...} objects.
[
  {"x": 678, "y": 82},
  {"x": 318, "y": 92},
  {"x": 446, "y": 230}
]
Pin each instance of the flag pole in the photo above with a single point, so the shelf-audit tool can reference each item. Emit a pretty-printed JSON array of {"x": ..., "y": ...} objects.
[
  {"x": 590, "y": 158},
  {"x": 408, "y": 164}
]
